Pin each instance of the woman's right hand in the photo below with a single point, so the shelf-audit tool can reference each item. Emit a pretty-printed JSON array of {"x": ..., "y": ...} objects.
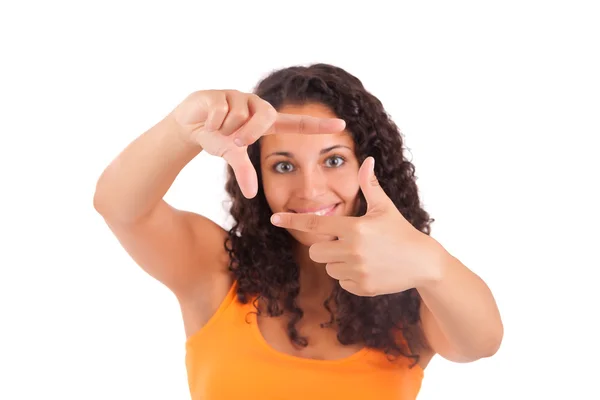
[{"x": 225, "y": 122}]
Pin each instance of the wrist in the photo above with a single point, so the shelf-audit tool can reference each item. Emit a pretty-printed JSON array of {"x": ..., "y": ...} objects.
[
  {"x": 435, "y": 264},
  {"x": 183, "y": 134}
]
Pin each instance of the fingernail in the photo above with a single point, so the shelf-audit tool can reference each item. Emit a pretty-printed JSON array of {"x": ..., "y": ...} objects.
[
  {"x": 275, "y": 219},
  {"x": 238, "y": 142}
]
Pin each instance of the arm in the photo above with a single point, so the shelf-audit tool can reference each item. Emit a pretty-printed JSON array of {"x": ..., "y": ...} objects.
[
  {"x": 137, "y": 179},
  {"x": 381, "y": 253},
  {"x": 180, "y": 249},
  {"x": 460, "y": 318},
  {"x": 183, "y": 250}
]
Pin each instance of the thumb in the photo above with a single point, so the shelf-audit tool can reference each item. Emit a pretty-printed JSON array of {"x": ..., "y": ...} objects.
[
  {"x": 376, "y": 197},
  {"x": 243, "y": 169}
]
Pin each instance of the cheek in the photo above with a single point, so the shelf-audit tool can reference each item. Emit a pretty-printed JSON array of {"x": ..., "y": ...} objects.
[
  {"x": 348, "y": 189},
  {"x": 275, "y": 192},
  {"x": 347, "y": 186}
]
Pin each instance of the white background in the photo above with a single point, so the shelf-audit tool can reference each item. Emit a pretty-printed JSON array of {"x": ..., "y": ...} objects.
[{"x": 499, "y": 104}]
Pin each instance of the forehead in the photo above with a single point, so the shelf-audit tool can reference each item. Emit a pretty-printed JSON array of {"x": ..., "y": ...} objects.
[
  {"x": 305, "y": 142},
  {"x": 313, "y": 109}
]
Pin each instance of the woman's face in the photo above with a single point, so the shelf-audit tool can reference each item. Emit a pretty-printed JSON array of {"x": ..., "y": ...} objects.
[{"x": 310, "y": 173}]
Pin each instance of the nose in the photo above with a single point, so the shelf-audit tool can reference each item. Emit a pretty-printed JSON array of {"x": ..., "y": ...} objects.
[{"x": 312, "y": 183}]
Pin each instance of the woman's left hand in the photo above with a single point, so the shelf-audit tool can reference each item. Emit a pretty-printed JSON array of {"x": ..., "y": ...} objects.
[{"x": 375, "y": 254}]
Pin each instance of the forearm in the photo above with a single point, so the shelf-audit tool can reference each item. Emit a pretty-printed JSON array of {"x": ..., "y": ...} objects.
[
  {"x": 463, "y": 308},
  {"x": 139, "y": 177}
]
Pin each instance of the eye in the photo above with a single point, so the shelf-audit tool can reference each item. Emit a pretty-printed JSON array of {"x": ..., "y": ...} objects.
[
  {"x": 283, "y": 167},
  {"x": 336, "y": 161}
]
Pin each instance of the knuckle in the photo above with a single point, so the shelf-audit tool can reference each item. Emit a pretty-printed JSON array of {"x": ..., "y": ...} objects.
[
  {"x": 357, "y": 255},
  {"x": 374, "y": 181},
  {"x": 302, "y": 125},
  {"x": 239, "y": 114},
  {"x": 256, "y": 98},
  {"x": 220, "y": 106},
  {"x": 216, "y": 96},
  {"x": 362, "y": 273},
  {"x": 266, "y": 115},
  {"x": 270, "y": 113},
  {"x": 358, "y": 227},
  {"x": 312, "y": 222}
]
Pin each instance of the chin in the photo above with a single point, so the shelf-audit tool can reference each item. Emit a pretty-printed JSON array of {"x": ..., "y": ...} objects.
[{"x": 307, "y": 239}]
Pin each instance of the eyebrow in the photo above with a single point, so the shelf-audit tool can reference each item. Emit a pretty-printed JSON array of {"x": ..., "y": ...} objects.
[{"x": 291, "y": 155}]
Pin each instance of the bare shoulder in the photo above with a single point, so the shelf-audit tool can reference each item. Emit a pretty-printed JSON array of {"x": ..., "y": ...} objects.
[
  {"x": 199, "y": 303},
  {"x": 184, "y": 251}
]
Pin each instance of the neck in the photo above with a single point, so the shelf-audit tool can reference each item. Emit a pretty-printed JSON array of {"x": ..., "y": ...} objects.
[{"x": 315, "y": 284}]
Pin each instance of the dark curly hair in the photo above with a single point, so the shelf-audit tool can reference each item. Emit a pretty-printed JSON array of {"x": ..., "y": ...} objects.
[{"x": 261, "y": 258}]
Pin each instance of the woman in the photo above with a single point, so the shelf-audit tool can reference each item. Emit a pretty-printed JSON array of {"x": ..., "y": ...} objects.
[{"x": 328, "y": 284}]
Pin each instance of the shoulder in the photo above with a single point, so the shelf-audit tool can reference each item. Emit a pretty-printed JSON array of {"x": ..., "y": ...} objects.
[{"x": 207, "y": 295}]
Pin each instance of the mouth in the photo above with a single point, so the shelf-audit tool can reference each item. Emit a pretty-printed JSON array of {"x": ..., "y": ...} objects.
[{"x": 321, "y": 211}]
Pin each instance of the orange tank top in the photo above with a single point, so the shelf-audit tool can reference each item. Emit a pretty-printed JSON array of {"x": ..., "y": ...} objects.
[{"x": 229, "y": 359}]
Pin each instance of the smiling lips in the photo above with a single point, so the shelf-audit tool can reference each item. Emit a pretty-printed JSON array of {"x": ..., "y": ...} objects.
[{"x": 327, "y": 210}]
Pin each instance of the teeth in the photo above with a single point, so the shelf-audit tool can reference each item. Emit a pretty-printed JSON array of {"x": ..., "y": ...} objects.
[{"x": 322, "y": 212}]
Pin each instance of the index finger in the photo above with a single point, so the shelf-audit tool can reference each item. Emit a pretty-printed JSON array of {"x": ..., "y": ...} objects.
[
  {"x": 266, "y": 120},
  {"x": 320, "y": 224},
  {"x": 306, "y": 124}
]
